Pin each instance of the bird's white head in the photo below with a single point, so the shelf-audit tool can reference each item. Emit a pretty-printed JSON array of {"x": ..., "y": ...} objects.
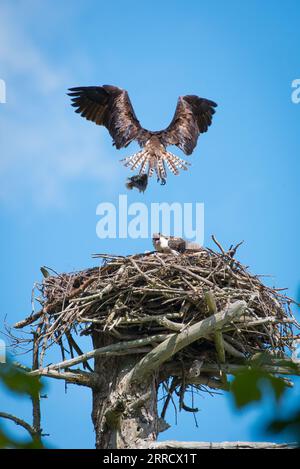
[{"x": 156, "y": 239}]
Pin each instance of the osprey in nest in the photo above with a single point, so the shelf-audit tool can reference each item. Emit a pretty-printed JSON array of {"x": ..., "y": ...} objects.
[
  {"x": 110, "y": 106},
  {"x": 173, "y": 245}
]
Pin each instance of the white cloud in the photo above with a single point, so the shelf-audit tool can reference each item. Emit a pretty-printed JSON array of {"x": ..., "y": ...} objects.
[
  {"x": 44, "y": 147},
  {"x": 21, "y": 56}
]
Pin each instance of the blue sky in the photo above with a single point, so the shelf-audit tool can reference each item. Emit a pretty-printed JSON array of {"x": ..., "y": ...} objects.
[{"x": 55, "y": 168}]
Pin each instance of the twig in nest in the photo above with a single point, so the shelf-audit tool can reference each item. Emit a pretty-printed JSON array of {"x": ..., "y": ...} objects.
[{"x": 218, "y": 244}]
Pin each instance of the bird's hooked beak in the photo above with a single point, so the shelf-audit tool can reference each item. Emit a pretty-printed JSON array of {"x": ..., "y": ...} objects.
[{"x": 155, "y": 237}]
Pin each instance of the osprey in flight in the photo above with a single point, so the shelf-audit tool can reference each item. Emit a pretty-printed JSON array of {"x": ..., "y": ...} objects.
[{"x": 110, "y": 106}]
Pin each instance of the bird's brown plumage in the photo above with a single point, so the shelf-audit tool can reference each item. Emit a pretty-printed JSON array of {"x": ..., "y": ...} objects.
[
  {"x": 173, "y": 244},
  {"x": 111, "y": 107},
  {"x": 193, "y": 116}
]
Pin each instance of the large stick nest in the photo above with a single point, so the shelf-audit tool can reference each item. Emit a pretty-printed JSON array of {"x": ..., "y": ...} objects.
[{"x": 137, "y": 296}]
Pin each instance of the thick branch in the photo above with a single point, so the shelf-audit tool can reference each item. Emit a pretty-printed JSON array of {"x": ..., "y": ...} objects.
[
  {"x": 29, "y": 320},
  {"x": 176, "y": 342},
  {"x": 121, "y": 348},
  {"x": 218, "y": 336},
  {"x": 175, "y": 369},
  {"x": 81, "y": 378},
  {"x": 221, "y": 445},
  {"x": 207, "y": 381}
]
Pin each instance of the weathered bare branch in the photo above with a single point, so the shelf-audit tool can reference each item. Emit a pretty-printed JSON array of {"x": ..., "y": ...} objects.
[
  {"x": 221, "y": 445},
  {"x": 31, "y": 430},
  {"x": 79, "y": 377},
  {"x": 120, "y": 348},
  {"x": 29, "y": 320},
  {"x": 176, "y": 342},
  {"x": 277, "y": 367}
]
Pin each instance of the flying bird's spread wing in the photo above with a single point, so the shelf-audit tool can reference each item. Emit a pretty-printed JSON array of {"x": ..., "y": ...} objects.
[
  {"x": 109, "y": 106},
  {"x": 193, "y": 115}
]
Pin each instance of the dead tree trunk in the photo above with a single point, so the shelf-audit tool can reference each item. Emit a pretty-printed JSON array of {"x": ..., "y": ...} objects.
[
  {"x": 125, "y": 400},
  {"x": 123, "y": 417}
]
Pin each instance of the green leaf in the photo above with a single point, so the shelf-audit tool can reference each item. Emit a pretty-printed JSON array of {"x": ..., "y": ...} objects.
[
  {"x": 18, "y": 381},
  {"x": 291, "y": 424},
  {"x": 8, "y": 442},
  {"x": 277, "y": 384},
  {"x": 247, "y": 386}
]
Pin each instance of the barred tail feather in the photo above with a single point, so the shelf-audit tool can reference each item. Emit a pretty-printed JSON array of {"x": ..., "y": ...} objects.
[
  {"x": 175, "y": 163},
  {"x": 156, "y": 161},
  {"x": 135, "y": 160},
  {"x": 150, "y": 171},
  {"x": 144, "y": 166},
  {"x": 172, "y": 166},
  {"x": 160, "y": 169}
]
